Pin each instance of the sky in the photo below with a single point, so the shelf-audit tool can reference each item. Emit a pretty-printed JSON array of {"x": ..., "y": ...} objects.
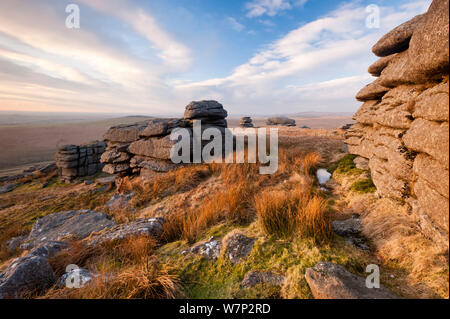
[{"x": 155, "y": 56}]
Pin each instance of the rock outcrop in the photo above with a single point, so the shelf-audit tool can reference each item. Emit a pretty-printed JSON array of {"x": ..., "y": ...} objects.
[
  {"x": 281, "y": 121},
  {"x": 145, "y": 148},
  {"x": 246, "y": 122},
  {"x": 403, "y": 126},
  {"x": 79, "y": 160}
]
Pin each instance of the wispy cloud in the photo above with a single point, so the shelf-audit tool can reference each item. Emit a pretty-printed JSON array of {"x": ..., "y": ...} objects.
[
  {"x": 338, "y": 43},
  {"x": 258, "y": 8},
  {"x": 235, "y": 25},
  {"x": 44, "y": 66}
]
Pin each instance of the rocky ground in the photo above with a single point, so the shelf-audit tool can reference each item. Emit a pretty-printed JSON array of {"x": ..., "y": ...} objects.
[{"x": 207, "y": 231}]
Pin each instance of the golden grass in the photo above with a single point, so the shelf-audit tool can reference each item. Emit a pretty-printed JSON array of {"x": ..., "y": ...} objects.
[
  {"x": 182, "y": 179},
  {"x": 126, "y": 270},
  {"x": 232, "y": 204},
  {"x": 240, "y": 199},
  {"x": 397, "y": 238},
  {"x": 294, "y": 213},
  {"x": 145, "y": 281}
]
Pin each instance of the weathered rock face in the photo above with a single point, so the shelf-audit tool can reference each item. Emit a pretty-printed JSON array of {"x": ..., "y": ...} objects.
[
  {"x": 403, "y": 126},
  {"x": 58, "y": 226},
  {"x": 143, "y": 227},
  {"x": 238, "y": 246},
  {"x": 79, "y": 160},
  {"x": 26, "y": 275},
  {"x": 145, "y": 148},
  {"x": 331, "y": 281}
]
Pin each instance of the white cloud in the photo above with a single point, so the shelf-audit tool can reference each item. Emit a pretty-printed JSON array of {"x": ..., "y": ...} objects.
[
  {"x": 333, "y": 45},
  {"x": 258, "y": 8},
  {"x": 235, "y": 24},
  {"x": 171, "y": 51},
  {"x": 319, "y": 66}
]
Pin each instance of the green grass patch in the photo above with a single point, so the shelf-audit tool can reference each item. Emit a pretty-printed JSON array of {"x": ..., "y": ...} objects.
[
  {"x": 346, "y": 166},
  {"x": 203, "y": 278},
  {"x": 364, "y": 186}
]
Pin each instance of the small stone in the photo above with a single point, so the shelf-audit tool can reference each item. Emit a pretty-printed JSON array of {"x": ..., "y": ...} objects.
[
  {"x": 238, "y": 246},
  {"x": 254, "y": 278}
]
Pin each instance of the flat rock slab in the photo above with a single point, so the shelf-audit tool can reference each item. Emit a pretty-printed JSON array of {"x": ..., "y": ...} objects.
[
  {"x": 79, "y": 224},
  {"x": 331, "y": 281},
  {"x": 254, "y": 278},
  {"x": 106, "y": 180},
  {"x": 144, "y": 227},
  {"x": 7, "y": 188},
  {"x": 162, "y": 127},
  {"x": 119, "y": 201},
  {"x": 153, "y": 147},
  {"x": 283, "y": 121},
  {"x": 125, "y": 133}
]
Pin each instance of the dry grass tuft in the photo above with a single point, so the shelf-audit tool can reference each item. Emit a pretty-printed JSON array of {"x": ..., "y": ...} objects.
[
  {"x": 180, "y": 180},
  {"x": 232, "y": 204},
  {"x": 294, "y": 213},
  {"x": 146, "y": 281}
]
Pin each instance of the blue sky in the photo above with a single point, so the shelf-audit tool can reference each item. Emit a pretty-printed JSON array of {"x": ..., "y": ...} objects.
[{"x": 153, "y": 57}]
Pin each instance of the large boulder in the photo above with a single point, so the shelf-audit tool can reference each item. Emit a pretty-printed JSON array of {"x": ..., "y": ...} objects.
[
  {"x": 427, "y": 57},
  {"x": 331, "y": 281},
  {"x": 27, "y": 275},
  {"x": 398, "y": 39},
  {"x": 205, "y": 110},
  {"x": 281, "y": 120}
]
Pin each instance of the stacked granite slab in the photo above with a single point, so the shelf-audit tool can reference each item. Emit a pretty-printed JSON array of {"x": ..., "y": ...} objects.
[
  {"x": 151, "y": 152},
  {"x": 145, "y": 148},
  {"x": 246, "y": 122},
  {"x": 75, "y": 161},
  {"x": 211, "y": 113},
  {"x": 119, "y": 138},
  {"x": 403, "y": 126}
]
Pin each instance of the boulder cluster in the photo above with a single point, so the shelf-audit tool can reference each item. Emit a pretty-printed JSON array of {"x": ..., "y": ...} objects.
[
  {"x": 79, "y": 160},
  {"x": 144, "y": 148},
  {"x": 246, "y": 122},
  {"x": 51, "y": 234},
  {"x": 281, "y": 121},
  {"x": 403, "y": 126}
]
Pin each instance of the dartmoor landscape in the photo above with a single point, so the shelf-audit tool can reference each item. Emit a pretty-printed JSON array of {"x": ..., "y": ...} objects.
[{"x": 96, "y": 206}]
